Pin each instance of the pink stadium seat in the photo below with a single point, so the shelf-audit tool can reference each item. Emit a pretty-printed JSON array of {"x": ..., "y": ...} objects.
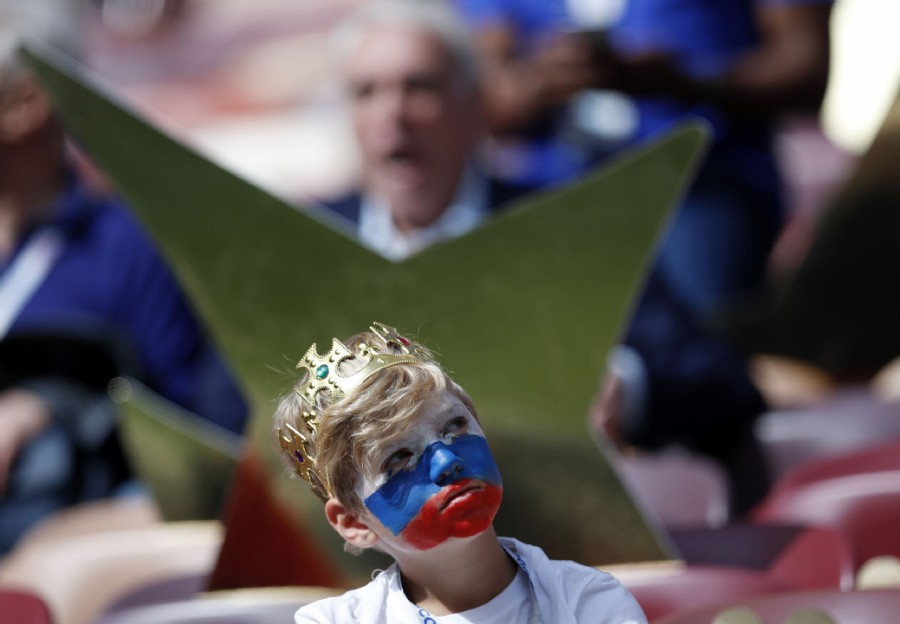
[
  {"x": 857, "y": 494},
  {"x": 21, "y": 607},
  {"x": 877, "y": 606},
  {"x": 199, "y": 611},
  {"x": 259, "y": 606},
  {"x": 677, "y": 490},
  {"x": 665, "y": 590},
  {"x": 796, "y": 555},
  {"x": 751, "y": 561},
  {"x": 849, "y": 421}
]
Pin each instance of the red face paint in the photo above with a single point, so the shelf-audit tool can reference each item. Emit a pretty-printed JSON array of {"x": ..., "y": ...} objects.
[{"x": 463, "y": 509}]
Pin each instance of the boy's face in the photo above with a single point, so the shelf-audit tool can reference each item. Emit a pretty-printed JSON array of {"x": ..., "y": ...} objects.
[{"x": 439, "y": 481}]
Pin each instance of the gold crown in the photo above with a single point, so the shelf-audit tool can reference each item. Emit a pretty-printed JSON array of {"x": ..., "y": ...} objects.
[{"x": 322, "y": 376}]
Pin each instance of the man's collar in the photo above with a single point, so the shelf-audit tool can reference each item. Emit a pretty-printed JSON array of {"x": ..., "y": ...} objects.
[{"x": 468, "y": 209}]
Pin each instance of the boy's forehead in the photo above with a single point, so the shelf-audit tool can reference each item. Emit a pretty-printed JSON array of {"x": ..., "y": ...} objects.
[
  {"x": 431, "y": 413},
  {"x": 438, "y": 407}
]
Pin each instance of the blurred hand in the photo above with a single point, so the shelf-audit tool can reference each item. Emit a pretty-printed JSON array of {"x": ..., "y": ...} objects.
[
  {"x": 23, "y": 415},
  {"x": 606, "y": 410},
  {"x": 652, "y": 74},
  {"x": 564, "y": 67}
]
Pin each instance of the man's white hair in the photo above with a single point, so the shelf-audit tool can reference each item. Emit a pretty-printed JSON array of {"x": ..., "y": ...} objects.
[
  {"x": 432, "y": 16},
  {"x": 54, "y": 22}
]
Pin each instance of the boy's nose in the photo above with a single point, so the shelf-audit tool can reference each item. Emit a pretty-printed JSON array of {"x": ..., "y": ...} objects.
[{"x": 445, "y": 465}]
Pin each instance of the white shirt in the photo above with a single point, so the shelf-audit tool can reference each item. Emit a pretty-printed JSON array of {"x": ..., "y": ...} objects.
[
  {"x": 468, "y": 209},
  {"x": 564, "y": 592},
  {"x": 513, "y": 604}
]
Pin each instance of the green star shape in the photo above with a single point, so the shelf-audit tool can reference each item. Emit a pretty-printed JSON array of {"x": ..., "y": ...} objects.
[{"x": 522, "y": 311}]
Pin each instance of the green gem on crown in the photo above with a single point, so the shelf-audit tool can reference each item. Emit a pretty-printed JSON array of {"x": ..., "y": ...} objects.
[{"x": 322, "y": 371}]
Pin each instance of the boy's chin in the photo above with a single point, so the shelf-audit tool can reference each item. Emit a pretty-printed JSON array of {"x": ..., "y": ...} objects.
[{"x": 451, "y": 542}]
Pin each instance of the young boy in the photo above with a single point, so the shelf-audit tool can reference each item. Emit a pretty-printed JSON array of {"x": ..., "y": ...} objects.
[{"x": 395, "y": 450}]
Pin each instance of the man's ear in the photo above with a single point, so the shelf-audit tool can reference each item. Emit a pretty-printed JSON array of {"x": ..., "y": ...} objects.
[
  {"x": 349, "y": 526},
  {"x": 24, "y": 108}
]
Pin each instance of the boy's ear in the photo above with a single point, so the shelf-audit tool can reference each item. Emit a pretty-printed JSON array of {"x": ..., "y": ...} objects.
[{"x": 354, "y": 531}]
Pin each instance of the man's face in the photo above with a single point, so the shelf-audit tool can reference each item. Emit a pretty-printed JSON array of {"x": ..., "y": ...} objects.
[
  {"x": 415, "y": 121},
  {"x": 439, "y": 481}
]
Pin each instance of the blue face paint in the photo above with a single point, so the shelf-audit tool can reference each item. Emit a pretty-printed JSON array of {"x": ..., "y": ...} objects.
[{"x": 402, "y": 497}]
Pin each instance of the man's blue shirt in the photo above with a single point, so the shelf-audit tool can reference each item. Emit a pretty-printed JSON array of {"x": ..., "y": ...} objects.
[{"x": 110, "y": 277}]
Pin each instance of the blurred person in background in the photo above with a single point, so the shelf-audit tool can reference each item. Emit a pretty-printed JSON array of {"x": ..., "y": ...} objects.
[
  {"x": 84, "y": 295},
  {"x": 412, "y": 82},
  {"x": 413, "y": 85},
  {"x": 570, "y": 82},
  {"x": 738, "y": 64}
]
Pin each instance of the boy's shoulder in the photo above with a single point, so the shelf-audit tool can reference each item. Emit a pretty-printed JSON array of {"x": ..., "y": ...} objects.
[
  {"x": 365, "y": 604},
  {"x": 568, "y": 591}
]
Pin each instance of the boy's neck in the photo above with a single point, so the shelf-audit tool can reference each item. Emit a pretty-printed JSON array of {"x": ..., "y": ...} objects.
[{"x": 461, "y": 577}]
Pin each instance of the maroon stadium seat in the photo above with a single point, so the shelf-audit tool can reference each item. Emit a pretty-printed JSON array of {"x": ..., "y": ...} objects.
[
  {"x": 857, "y": 494},
  {"x": 880, "y": 606}
]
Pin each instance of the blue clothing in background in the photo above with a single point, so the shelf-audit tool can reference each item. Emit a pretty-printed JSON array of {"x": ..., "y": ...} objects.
[
  {"x": 703, "y": 36},
  {"x": 718, "y": 243},
  {"x": 698, "y": 392},
  {"x": 111, "y": 278},
  {"x": 108, "y": 306}
]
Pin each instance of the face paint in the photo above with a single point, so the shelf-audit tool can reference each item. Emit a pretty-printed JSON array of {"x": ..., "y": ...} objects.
[{"x": 454, "y": 490}]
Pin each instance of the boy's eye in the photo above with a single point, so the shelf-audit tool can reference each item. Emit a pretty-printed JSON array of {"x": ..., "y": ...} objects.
[
  {"x": 397, "y": 462},
  {"x": 455, "y": 427}
]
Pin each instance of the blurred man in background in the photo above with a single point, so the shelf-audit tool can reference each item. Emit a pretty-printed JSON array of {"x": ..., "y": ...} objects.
[{"x": 412, "y": 81}]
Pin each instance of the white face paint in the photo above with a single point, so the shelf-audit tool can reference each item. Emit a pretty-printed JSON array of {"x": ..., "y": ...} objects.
[{"x": 442, "y": 417}]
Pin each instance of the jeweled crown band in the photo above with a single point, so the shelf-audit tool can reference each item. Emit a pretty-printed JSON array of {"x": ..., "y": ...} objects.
[{"x": 298, "y": 441}]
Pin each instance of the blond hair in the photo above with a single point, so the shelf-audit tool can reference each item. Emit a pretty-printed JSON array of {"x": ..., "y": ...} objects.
[{"x": 353, "y": 431}]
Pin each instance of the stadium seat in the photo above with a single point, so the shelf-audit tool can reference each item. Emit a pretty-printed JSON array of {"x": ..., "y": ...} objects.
[
  {"x": 799, "y": 556},
  {"x": 260, "y": 606},
  {"x": 665, "y": 589},
  {"x": 857, "y": 494},
  {"x": 81, "y": 576},
  {"x": 677, "y": 490},
  {"x": 877, "y": 606},
  {"x": 740, "y": 561},
  {"x": 850, "y": 420},
  {"x": 22, "y": 607}
]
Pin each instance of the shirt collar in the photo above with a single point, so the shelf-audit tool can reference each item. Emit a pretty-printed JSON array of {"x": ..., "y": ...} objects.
[{"x": 467, "y": 210}]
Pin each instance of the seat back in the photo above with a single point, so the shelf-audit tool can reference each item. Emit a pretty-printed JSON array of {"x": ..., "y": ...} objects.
[
  {"x": 677, "y": 489},
  {"x": 665, "y": 589},
  {"x": 794, "y": 555},
  {"x": 879, "y": 606},
  {"x": 849, "y": 421},
  {"x": 23, "y": 607},
  {"x": 857, "y": 494},
  {"x": 740, "y": 561}
]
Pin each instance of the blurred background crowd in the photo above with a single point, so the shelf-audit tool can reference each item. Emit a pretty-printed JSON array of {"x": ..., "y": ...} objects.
[{"x": 414, "y": 125}]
